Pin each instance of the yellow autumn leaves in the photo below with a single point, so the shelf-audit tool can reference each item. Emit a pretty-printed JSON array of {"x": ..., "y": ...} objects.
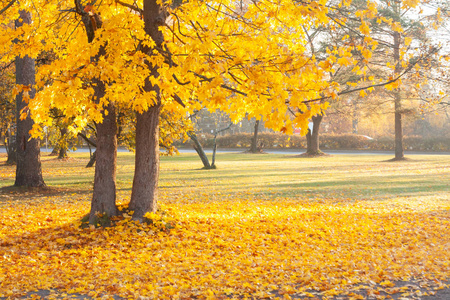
[{"x": 222, "y": 246}]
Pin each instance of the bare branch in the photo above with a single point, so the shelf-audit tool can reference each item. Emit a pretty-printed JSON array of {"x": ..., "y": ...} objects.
[
  {"x": 130, "y": 6},
  {"x": 87, "y": 140},
  {"x": 7, "y": 6}
]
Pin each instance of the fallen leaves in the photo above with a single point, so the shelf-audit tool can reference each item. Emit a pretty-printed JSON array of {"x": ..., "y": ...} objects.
[
  {"x": 224, "y": 247},
  {"x": 248, "y": 241}
]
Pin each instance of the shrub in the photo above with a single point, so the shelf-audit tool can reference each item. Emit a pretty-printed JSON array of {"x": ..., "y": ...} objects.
[{"x": 274, "y": 140}]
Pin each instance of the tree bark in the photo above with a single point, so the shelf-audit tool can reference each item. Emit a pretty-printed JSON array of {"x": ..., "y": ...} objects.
[
  {"x": 11, "y": 150},
  {"x": 144, "y": 192},
  {"x": 92, "y": 160},
  {"x": 28, "y": 168},
  {"x": 104, "y": 195},
  {"x": 312, "y": 139},
  {"x": 254, "y": 144},
  {"x": 62, "y": 144},
  {"x": 199, "y": 149},
  {"x": 399, "y": 154},
  {"x": 355, "y": 119}
]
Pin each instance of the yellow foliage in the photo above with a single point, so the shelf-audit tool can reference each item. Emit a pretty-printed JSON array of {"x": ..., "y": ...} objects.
[{"x": 221, "y": 246}]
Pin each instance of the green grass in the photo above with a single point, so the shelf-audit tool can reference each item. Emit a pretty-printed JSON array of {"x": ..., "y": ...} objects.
[{"x": 358, "y": 177}]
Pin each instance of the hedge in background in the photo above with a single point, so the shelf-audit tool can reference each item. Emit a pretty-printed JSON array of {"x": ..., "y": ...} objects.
[{"x": 327, "y": 141}]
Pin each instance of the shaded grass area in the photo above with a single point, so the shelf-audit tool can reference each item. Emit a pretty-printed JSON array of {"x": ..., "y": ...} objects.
[
  {"x": 361, "y": 177},
  {"x": 258, "y": 226}
]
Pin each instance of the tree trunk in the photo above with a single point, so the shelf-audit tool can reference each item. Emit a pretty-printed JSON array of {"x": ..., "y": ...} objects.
[
  {"x": 201, "y": 153},
  {"x": 213, "y": 158},
  {"x": 254, "y": 144},
  {"x": 28, "y": 169},
  {"x": 355, "y": 120},
  {"x": 399, "y": 155},
  {"x": 312, "y": 139},
  {"x": 63, "y": 144},
  {"x": 144, "y": 192},
  {"x": 104, "y": 196},
  {"x": 11, "y": 149},
  {"x": 55, "y": 151},
  {"x": 92, "y": 159}
]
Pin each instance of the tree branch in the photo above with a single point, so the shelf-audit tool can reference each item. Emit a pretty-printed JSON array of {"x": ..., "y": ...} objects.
[
  {"x": 434, "y": 50},
  {"x": 130, "y": 6},
  {"x": 7, "y": 6},
  {"x": 87, "y": 140}
]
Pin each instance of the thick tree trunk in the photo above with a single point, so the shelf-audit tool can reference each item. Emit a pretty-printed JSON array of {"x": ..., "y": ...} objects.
[
  {"x": 254, "y": 144},
  {"x": 28, "y": 170},
  {"x": 312, "y": 139},
  {"x": 144, "y": 192},
  {"x": 399, "y": 155},
  {"x": 104, "y": 196},
  {"x": 201, "y": 153}
]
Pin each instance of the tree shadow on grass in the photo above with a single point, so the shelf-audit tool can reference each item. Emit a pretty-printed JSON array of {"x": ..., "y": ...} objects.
[{"x": 17, "y": 193}]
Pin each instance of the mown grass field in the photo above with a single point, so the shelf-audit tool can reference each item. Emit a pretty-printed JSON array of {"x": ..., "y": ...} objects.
[{"x": 258, "y": 226}]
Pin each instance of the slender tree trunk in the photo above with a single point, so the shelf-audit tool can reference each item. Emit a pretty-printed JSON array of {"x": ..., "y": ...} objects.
[
  {"x": 355, "y": 119},
  {"x": 312, "y": 139},
  {"x": 213, "y": 158},
  {"x": 198, "y": 147},
  {"x": 254, "y": 144},
  {"x": 92, "y": 160},
  {"x": 11, "y": 150},
  {"x": 399, "y": 154},
  {"x": 63, "y": 144},
  {"x": 144, "y": 194},
  {"x": 28, "y": 169},
  {"x": 91, "y": 155}
]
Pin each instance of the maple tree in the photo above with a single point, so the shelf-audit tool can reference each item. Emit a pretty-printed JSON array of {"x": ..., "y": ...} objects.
[{"x": 247, "y": 59}]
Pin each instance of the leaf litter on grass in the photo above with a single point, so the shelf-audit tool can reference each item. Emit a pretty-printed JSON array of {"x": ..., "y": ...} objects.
[
  {"x": 225, "y": 247},
  {"x": 252, "y": 243}
]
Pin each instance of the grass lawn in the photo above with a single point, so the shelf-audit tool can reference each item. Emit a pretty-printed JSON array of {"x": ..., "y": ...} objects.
[{"x": 259, "y": 225}]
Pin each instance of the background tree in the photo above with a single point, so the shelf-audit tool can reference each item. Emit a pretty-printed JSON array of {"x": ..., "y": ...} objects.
[
  {"x": 405, "y": 44},
  {"x": 7, "y": 111},
  {"x": 254, "y": 147}
]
